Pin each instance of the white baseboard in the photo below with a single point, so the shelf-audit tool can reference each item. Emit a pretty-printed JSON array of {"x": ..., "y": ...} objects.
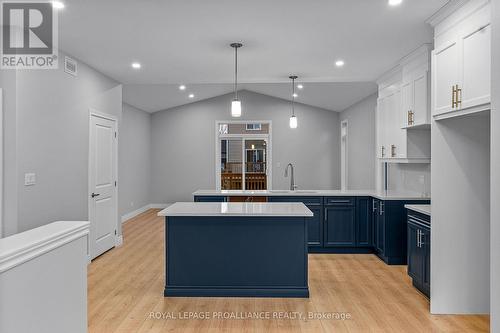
[
  {"x": 141, "y": 210},
  {"x": 119, "y": 241}
]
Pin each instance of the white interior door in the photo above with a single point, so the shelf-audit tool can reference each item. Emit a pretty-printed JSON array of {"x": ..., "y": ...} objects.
[
  {"x": 103, "y": 212},
  {"x": 1, "y": 165}
]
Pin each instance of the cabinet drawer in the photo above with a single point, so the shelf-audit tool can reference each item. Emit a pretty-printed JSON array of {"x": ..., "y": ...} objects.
[
  {"x": 340, "y": 201},
  {"x": 308, "y": 201}
]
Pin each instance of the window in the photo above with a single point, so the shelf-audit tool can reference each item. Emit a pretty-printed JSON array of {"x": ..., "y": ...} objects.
[
  {"x": 243, "y": 155},
  {"x": 254, "y": 127}
]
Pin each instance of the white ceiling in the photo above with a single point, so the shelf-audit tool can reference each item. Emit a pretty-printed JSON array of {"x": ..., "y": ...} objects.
[
  {"x": 330, "y": 96},
  {"x": 179, "y": 41}
]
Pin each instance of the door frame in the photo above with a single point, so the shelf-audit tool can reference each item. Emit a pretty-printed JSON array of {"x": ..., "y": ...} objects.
[
  {"x": 267, "y": 137},
  {"x": 118, "y": 238},
  {"x": 344, "y": 155}
]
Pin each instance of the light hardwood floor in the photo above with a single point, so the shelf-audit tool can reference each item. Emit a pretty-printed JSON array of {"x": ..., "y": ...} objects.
[{"x": 125, "y": 285}]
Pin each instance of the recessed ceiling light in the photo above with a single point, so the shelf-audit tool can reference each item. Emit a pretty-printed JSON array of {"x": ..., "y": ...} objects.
[
  {"x": 182, "y": 87},
  {"x": 295, "y": 95},
  {"x": 191, "y": 96},
  {"x": 136, "y": 65},
  {"x": 300, "y": 86},
  {"x": 339, "y": 63},
  {"x": 395, "y": 2},
  {"x": 57, "y": 4}
]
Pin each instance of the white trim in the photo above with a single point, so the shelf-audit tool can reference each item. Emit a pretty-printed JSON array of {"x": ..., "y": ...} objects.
[
  {"x": 127, "y": 217},
  {"x": 344, "y": 155},
  {"x": 134, "y": 213},
  {"x": 267, "y": 137},
  {"x": 1, "y": 164},
  {"x": 118, "y": 240},
  {"x": 25, "y": 246},
  {"x": 95, "y": 113}
]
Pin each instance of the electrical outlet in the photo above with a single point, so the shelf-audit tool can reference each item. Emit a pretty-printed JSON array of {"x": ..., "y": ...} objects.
[
  {"x": 278, "y": 165},
  {"x": 29, "y": 179},
  {"x": 421, "y": 179}
]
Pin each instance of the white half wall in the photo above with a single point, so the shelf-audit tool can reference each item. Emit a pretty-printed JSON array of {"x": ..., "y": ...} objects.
[
  {"x": 134, "y": 160},
  {"x": 495, "y": 167},
  {"x": 183, "y": 145}
]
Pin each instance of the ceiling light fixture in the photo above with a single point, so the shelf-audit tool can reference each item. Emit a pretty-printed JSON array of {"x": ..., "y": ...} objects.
[
  {"x": 339, "y": 63},
  {"x": 136, "y": 65},
  {"x": 236, "y": 103},
  {"x": 293, "y": 118},
  {"x": 191, "y": 96},
  {"x": 300, "y": 86},
  {"x": 182, "y": 87},
  {"x": 57, "y": 4},
  {"x": 395, "y": 2}
]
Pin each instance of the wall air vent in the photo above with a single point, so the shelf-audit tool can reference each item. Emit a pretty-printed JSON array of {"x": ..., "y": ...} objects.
[{"x": 70, "y": 66}]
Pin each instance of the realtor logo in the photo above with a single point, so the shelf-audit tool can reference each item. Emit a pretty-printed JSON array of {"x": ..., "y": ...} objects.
[{"x": 29, "y": 35}]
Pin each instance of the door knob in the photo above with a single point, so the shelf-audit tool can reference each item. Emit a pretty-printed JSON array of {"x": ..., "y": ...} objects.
[{"x": 95, "y": 195}]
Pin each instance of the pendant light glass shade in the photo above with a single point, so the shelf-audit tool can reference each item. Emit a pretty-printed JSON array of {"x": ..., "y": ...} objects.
[
  {"x": 236, "y": 103},
  {"x": 293, "y": 122},
  {"x": 236, "y": 108}
]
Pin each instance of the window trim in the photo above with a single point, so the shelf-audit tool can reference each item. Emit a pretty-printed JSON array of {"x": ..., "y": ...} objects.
[{"x": 267, "y": 137}]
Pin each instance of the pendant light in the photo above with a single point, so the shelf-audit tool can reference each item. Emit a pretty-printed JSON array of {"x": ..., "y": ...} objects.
[
  {"x": 293, "y": 118},
  {"x": 236, "y": 103}
]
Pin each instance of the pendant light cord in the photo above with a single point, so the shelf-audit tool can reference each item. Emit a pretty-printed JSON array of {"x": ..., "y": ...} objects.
[
  {"x": 293, "y": 97},
  {"x": 236, "y": 73}
]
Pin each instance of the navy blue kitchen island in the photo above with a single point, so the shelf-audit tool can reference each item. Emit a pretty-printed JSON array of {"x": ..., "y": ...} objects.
[{"x": 236, "y": 249}]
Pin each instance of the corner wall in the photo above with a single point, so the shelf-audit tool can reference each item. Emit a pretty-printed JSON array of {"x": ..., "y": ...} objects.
[
  {"x": 361, "y": 143},
  {"x": 134, "y": 160}
]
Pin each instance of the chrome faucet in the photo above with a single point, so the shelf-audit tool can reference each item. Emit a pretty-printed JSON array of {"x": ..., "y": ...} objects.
[{"x": 292, "y": 178}]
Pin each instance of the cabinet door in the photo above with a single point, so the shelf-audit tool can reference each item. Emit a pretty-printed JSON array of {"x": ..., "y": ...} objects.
[
  {"x": 315, "y": 227},
  {"x": 445, "y": 66},
  {"x": 375, "y": 223},
  {"x": 420, "y": 108},
  {"x": 339, "y": 226},
  {"x": 381, "y": 228},
  {"x": 476, "y": 66},
  {"x": 414, "y": 253},
  {"x": 398, "y": 140},
  {"x": 426, "y": 258},
  {"x": 363, "y": 222},
  {"x": 406, "y": 102}
]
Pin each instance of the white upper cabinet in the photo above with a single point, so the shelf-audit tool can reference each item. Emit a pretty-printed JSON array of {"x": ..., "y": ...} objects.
[
  {"x": 403, "y": 111},
  {"x": 461, "y": 60}
]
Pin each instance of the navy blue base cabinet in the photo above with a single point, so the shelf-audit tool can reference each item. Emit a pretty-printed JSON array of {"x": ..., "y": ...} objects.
[
  {"x": 419, "y": 251},
  {"x": 352, "y": 224},
  {"x": 236, "y": 256}
]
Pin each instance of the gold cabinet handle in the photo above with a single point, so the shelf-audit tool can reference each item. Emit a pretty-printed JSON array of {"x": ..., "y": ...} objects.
[
  {"x": 453, "y": 97},
  {"x": 458, "y": 99},
  {"x": 383, "y": 151},
  {"x": 409, "y": 117},
  {"x": 393, "y": 150}
]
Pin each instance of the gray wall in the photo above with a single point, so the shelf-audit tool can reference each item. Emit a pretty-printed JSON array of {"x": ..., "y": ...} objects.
[
  {"x": 51, "y": 122},
  {"x": 361, "y": 143},
  {"x": 9, "y": 218},
  {"x": 134, "y": 160},
  {"x": 183, "y": 145},
  {"x": 495, "y": 175}
]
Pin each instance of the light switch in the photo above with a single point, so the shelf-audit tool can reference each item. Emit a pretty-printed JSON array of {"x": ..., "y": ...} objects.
[{"x": 29, "y": 179}]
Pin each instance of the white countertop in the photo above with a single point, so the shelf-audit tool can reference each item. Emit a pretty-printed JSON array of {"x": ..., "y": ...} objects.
[
  {"x": 294, "y": 209},
  {"x": 424, "y": 209},
  {"x": 316, "y": 193}
]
